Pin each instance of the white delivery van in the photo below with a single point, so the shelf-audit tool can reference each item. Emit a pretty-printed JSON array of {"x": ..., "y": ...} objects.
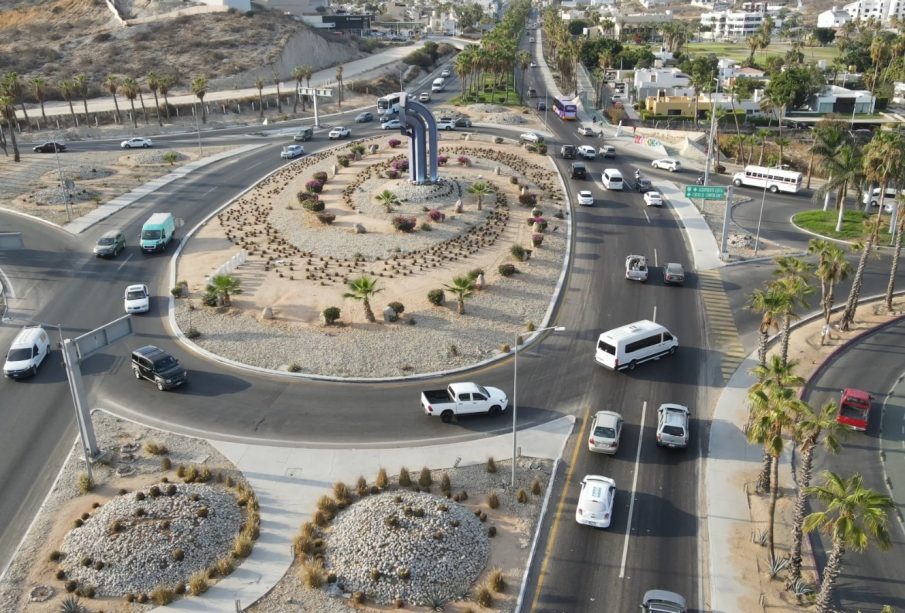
[
  {"x": 630, "y": 345},
  {"x": 438, "y": 85},
  {"x": 612, "y": 179},
  {"x": 28, "y": 350}
]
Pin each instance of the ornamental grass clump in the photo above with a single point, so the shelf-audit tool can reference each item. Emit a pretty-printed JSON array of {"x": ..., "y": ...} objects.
[
  {"x": 493, "y": 500},
  {"x": 425, "y": 479},
  {"x": 382, "y": 481},
  {"x": 405, "y": 479},
  {"x": 313, "y": 574}
]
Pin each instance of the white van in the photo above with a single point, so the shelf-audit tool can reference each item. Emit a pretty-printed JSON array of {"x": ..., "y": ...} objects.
[
  {"x": 612, "y": 179},
  {"x": 873, "y": 196},
  {"x": 28, "y": 350},
  {"x": 630, "y": 345},
  {"x": 438, "y": 85}
]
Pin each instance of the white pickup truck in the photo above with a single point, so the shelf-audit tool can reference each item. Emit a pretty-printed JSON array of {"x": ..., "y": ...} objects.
[
  {"x": 636, "y": 268},
  {"x": 463, "y": 399}
]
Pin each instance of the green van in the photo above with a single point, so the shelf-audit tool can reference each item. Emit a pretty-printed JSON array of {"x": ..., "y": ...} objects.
[{"x": 157, "y": 232}]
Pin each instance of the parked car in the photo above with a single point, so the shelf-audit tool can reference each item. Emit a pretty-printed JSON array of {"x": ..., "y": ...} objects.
[
  {"x": 530, "y": 137},
  {"x": 587, "y": 152},
  {"x": 595, "y": 502},
  {"x": 446, "y": 124},
  {"x": 670, "y": 164},
  {"x": 585, "y": 198},
  {"x": 364, "y": 117},
  {"x": 674, "y": 274},
  {"x": 672, "y": 426},
  {"x": 662, "y": 601},
  {"x": 336, "y": 133},
  {"x": 578, "y": 171},
  {"x": 292, "y": 151},
  {"x": 156, "y": 365},
  {"x": 26, "y": 353},
  {"x": 110, "y": 244},
  {"x": 636, "y": 268},
  {"x": 567, "y": 152},
  {"x": 424, "y": 97},
  {"x": 606, "y": 430},
  {"x": 463, "y": 399},
  {"x": 136, "y": 142},
  {"x": 50, "y": 147},
  {"x": 137, "y": 299},
  {"x": 586, "y": 131},
  {"x": 653, "y": 199},
  {"x": 393, "y": 124},
  {"x": 303, "y": 134}
]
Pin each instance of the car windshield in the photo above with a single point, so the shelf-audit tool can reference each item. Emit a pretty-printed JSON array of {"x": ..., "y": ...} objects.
[
  {"x": 150, "y": 235},
  {"x": 136, "y": 294},
  {"x": 673, "y": 430},
  {"x": 165, "y": 363},
  {"x": 848, "y": 410},
  {"x": 483, "y": 390},
  {"x": 605, "y": 432},
  {"x": 19, "y": 355},
  {"x": 103, "y": 241}
]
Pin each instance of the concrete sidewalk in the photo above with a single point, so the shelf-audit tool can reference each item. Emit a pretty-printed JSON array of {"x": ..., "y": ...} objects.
[{"x": 288, "y": 481}]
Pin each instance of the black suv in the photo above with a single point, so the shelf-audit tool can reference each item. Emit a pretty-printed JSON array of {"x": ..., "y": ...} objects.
[
  {"x": 567, "y": 152},
  {"x": 579, "y": 171},
  {"x": 158, "y": 366}
]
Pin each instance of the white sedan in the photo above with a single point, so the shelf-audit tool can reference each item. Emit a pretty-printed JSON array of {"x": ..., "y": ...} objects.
[
  {"x": 587, "y": 152},
  {"x": 653, "y": 199},
  {"x": 393, "y": 124},
  {"x": 595, "y": 502},
  {"x": 290, "y": 152},
  {"x": 136, "y": 142},
  {"x": 585, "y": 198},
  {"x": 137, "y": 299},
  {"x": 531, "y": 137},
  {"x": 336, "y": 133}
]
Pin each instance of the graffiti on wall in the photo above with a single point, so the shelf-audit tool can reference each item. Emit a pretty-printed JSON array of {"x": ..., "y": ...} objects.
[{"x": 646, "y": 141}]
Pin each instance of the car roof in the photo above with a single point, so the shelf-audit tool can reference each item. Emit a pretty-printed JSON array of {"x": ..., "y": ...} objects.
[
  {"x": 136, "y": 287},
  {"x": 111, "y": 233},
  {"x": 151, "y": 352},
  {"x": 856, "y": 394},
  {"x": 676, "y": 408},
  {"x": 674, "y": 266},
  {"x": 670, "y": 599},
  {"x": 596, "y": 481},
  {"x": 607, "y": 418},
  {"x": 585, "y": 192},
  {"x": 27, "y": 336}
]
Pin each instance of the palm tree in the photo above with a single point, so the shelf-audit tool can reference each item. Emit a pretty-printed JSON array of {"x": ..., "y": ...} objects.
[
  {"x": 855, "y": 517},
  {"x": 753, "y": 43},
  {"x": 762, "y": 136},
  {"x": 308, "y": 72},
  {"x": 854, "y": 294},
  {"x": 39, "y": 90},
  {"x": 8, "y": 111},
  {"x": 298, "y": 73},
  {"x": 479, "y": 190},
  {"x": 809, "y": 428},
  {"x": 463, "y": 287},
  {"x": 774, "y": 407},
  {"x": 339, "y": 81},
  {"x": 166, "y": 82},
  {"x": 199, "y": 88},
  {"x": 129, "y": 89},
  {"x": 260, "y": 85},
  {"x": 832, "y": 268},
  {"x": 154, "y": 85},
  {"x": 897, "y": 251},
  {"x": 884, "y": 160},
  {"x": 387, "y": 200},
  {"x": 844, "y": 169},
  {"x": 276, "y": 81},
  {"x": 66, "y": 89},
  {"x": 223, "y": 286},
  {"x": 12, "y": 85},
  {"x": 524, "y": 61},
  {"x": 144, "y": 109},
  {"x": 81, "y": 86},
  {"x": 769, "y": 303},
  {"x": 363, "y": 288},
  {"x": 793, "y": 276},
  {"x": 829, "y": 137},
  {"x": 463, "y": 65},
  {"x": 111, "y": 83}
]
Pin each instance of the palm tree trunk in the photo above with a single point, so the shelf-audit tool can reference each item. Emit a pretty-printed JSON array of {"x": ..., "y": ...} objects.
[
  {"x": 891, "y": 286},
  {"x": 116, "y": 106},
  {"x": 830, "y": 575},
  {"x": 166, "y": 105},
  {"x": 762, "y": 347},
  {"x": 157, "y": 109},
  {"x": 841, "y": 205},
  {"x": 134, "y": 118},
  {"x": 461, "y": 309},
  {"x": 144, "y": 109},
  {"x": 774, "y": 492},
  {"x": 848, "y": 316},
  {"x": 25, "y": 112},
  {"x": 810, "y": 168},
  {"x": 784, "y": 340},
  {"x": 72, "y": 112},
  {"x": 807, "y": 459},
  {"x": 763, "y": 479},
  {"x": 369, "y": 314}
]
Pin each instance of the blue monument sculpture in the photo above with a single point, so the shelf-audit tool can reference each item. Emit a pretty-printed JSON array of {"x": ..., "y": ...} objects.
[{"x": 419, "y": 126}]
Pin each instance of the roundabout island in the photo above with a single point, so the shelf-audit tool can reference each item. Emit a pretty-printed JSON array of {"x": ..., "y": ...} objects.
[{"x": 452, "y": 272}]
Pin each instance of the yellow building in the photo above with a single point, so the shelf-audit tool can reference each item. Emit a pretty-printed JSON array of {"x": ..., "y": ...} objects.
[{"x": 678, "y": 106}]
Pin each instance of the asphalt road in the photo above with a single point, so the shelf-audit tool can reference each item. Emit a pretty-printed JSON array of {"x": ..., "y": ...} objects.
[{"x": 875, "y": 364}]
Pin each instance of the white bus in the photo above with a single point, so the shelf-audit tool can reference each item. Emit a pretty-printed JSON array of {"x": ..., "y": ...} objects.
[
  {"x": 773, "y": 179},
  {"x": 389, "y": 104},
  {"x": 630, "y": 345}
]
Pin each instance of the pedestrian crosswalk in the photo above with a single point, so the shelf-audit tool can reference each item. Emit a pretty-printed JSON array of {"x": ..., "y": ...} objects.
[{"x": 721, "y": 323}]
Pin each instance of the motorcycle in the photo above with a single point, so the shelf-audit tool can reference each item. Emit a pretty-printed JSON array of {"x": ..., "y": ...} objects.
[{"x": 700, "y": 180}]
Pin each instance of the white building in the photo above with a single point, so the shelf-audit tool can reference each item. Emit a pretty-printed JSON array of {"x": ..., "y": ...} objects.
[
  {"x": 734, "y": 25},
  {"x": 882, "y": 10},
  {"x": 835, "y": 99},
  {"x": 650, "y": 4},
  {"x": 833, "y": 18}
]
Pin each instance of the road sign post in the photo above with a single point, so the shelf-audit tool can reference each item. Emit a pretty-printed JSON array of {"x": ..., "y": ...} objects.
[
  {"x": 705, "y": 192},
  {"x": 315, "y": 92},
  {"x": 724, "y": 242}
]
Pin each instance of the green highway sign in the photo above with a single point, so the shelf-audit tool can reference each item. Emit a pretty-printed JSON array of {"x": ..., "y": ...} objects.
[{"x": 706, "y": 192}]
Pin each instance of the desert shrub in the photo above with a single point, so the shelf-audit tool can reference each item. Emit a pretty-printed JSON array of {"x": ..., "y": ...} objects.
[
  {"x": 463, "y": 160},
  {"x": 198, "y": 583},
  {"x": 343, "y": 160},
  {"x": 405, "y": 479},
  {"x": 170, "y": 490},
  {"x": 391, "y": 521},
  {"x": 441, "y": 160},
  {"x": 313, "y": 574},
  {"x": 304, "y": 196},
  {"x": 154, "y": 491},
  {"x": 115, "y": 526},
  {"x": 495, "y": 580},
  {"x": 155, "y": 448},
  {"x": 527, "y": 199},
  {"x": 436, "y": 215},
  {"x": 535, "y": 487},
  {"x": 61, "y": 574},
  {"x": 400, "y": 165},
  {"x": 394, "y": 142},
  {"x": 361, "y": 487},
  {"x": 358, "y": 598},
  {"x": 341, "y": 491},
  {"x": 483, "y": 596},
  {"x": 86, "y": 561},
  {"x": 86, "y": 591},
  {"x": 522, "y": 496},
  {"x": 314, "y": 186},
  {"x": 224, "y": 566},
  {"x": 242, "y": 546},
  {"x": 507, "y": 270},
  {"x": 294, "y": 367},
  {"x": 85, "y": 483},
  {"x": 320, "y": 176},
  {"x": 70, "y": 586},
  {"x": 424, "y": 479},
  {"x": 331, "y": 315},
  {"x": 493, "y": 501},
  {"x": 313, "y": 206},
  {"x": 56, "y": 555},
  {"x": 404, "y": 224},
  {"x": 177, "y": 554},
  {"x": 166, "y": 463},
  {"x": 513, "y": 179},
  {"x": 326, "y": 218},
  {"x": 445, "y": 484},
  {"x": 162, "y": 595},
  {"x": 202, "y": 512},
  {"x": 404, "y": 573},
  {"x": 425, "y": 226},
  {"x": 491, "y": 530},
  {"x": 491, "y": 465},
  {"x": 143, "y": 598},
  {"x": 436, "y": 297},
  {"x": 392, "y": 173},
  {"x": 398, "y": 307},
  {"x": 518, "y": 252}
]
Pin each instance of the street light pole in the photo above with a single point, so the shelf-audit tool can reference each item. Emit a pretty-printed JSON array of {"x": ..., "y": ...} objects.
[
  {"x": 760, "y": 216},
  {"x": 515, "y": 395}
]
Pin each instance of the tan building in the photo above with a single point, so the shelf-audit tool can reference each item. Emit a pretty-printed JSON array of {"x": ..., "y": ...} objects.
[{"x": 678, "y": 106}]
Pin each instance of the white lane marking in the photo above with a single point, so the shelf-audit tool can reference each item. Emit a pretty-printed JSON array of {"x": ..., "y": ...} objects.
[
  {"x": 655, "y": 257},
  {"x": 644, "y": 210},
  {"x": 631, "y": 506},
  {"x": 6, "y": 285},
  {"x": 120, "y": 267},
  {"x": 655, "y": 314}
]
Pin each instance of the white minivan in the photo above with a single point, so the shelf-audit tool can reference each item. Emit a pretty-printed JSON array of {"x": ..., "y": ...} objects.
[
  {"x": 28, "y": 350},
  {"x": 612, "y": 179},
  {"x": 630, "y": 345}
]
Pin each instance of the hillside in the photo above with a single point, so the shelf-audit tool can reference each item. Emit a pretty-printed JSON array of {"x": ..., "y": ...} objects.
[{"x": 57, "y": 39}]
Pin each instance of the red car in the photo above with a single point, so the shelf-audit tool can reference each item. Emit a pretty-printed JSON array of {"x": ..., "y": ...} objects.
[{"x": 854, "y": 409}]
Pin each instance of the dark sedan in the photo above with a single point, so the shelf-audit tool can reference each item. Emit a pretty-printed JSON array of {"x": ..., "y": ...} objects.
[
  {"x": 50, "y": 147},
  {"x": 364, "y": 117}
]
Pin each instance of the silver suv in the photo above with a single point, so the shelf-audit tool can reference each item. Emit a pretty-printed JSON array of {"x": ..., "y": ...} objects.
[
  {"x": 663, "y": 601},
  {"x": 672, "y": 425}
]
